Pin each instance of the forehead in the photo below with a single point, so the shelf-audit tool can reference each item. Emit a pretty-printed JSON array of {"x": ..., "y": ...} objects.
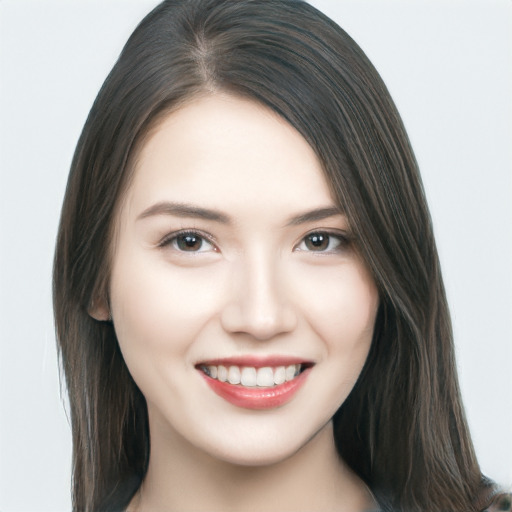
[{"x": 223, "y": 151}]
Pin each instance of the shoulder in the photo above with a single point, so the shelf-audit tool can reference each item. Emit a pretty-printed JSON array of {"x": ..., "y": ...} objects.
[{"x": 500, "y": 503}]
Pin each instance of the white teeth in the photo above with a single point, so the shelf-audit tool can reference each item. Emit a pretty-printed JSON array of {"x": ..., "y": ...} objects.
[
  {"x": 234, "y": 375},
  {"x": 291, "y": 372},
  {"x": 265, "y": 377},
  {"x": 250, "y": 377},
  {"x": 222, "y": 373},
  {"x": 279, "y": 375}
]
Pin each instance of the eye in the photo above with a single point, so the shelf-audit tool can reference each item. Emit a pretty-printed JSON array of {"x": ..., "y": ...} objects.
[
  {"x": 321, "y": 241},
  {"x": 188, "y": 241}
]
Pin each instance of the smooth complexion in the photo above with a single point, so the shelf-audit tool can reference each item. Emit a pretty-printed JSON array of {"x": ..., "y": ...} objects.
[{"x": 266, "y": 267}]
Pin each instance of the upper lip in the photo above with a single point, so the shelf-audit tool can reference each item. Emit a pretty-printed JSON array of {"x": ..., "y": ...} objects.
[{"x": 256, "y": 361}]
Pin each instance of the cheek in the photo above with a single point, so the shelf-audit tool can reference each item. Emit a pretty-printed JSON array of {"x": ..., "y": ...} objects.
[
  {"x": 342, "y": 314},
  {"x": 159, "y": 309},
  {"x": 343, "y": 308}
]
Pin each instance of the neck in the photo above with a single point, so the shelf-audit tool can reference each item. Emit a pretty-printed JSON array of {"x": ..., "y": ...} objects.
[{"x": 182, "y": 478}]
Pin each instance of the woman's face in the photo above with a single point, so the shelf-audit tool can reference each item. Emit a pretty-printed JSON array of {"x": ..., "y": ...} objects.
[{"x": 233, "y": 262}]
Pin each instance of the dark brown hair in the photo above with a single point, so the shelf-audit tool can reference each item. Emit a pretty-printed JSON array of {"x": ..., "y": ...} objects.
[{"x": 402, "y": 429}]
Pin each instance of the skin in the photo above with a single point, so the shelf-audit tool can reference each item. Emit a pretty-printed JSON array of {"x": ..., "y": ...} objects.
[{"x": 252, "y": 286}]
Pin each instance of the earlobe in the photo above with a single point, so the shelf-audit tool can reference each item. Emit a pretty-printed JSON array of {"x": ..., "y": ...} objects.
[{"x": 100, "y": 310}]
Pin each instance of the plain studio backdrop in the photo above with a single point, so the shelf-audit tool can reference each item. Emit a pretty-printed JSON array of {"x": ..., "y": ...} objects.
[{"x": 448, "y": 66}]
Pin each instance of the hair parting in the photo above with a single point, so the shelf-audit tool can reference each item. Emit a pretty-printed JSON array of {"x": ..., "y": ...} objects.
[{"x": 290, "y": 57}]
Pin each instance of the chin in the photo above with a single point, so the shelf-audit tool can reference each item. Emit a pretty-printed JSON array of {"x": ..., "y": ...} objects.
[
  {"x": 265, "y": 449},
  {"x": 256, "y": 455}
]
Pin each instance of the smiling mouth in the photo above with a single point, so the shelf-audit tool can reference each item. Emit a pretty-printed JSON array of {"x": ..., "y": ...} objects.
[
  {"x": 254, "y": 377},
  {"x": 263, "y": 386}
]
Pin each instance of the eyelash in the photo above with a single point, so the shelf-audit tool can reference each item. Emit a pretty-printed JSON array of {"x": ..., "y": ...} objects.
[
  {"x": 342, "y": 238},
  {"x": 172, "y": 239}
]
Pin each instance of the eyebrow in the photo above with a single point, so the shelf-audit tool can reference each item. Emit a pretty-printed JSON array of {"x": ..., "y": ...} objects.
[
  {"x": 184, "y": 210},
  {"x": 314, "y": 215},
  {"x": 192, "y": 211}
]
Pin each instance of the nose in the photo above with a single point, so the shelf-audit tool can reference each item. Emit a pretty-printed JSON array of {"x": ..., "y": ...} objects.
[{"x": 259, "y": 304}]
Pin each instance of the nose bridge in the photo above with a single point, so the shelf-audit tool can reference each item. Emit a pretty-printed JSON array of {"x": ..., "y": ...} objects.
[{"x": 259, "y": 304}]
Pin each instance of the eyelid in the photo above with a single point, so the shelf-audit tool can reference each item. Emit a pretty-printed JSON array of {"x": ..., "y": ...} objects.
[
  {"x": 344, "y": 237},
  {"x": 167, "y": 239}
]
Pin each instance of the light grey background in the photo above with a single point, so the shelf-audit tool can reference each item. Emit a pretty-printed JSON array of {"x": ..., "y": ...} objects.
[{"x": 448, "y": 66}]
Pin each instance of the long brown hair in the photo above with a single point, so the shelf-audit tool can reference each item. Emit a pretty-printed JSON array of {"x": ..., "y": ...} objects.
[{"x": 402, "y": 429}]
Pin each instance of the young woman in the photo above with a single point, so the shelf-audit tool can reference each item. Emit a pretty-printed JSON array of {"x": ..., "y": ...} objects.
[{"x": 247, "y": 292}]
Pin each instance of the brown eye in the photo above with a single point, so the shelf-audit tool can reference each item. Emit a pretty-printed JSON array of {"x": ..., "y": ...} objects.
[
  {"x": 320, "y": 241},
  {"x": 188, "y": 242},
  {"x": 317, "y": 241}
]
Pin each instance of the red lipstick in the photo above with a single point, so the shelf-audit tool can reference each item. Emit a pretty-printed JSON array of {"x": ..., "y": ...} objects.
[
  {"x": 256, "y": 397},
  {"x": 256, "y": 361}
]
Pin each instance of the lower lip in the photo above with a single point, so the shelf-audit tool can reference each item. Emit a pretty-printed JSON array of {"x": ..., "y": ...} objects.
[{"x": 257, "y": 398}]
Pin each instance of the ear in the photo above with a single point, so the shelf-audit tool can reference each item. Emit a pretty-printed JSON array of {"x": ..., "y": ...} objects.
[{"x": 100, "y": 310}]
